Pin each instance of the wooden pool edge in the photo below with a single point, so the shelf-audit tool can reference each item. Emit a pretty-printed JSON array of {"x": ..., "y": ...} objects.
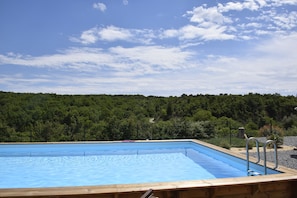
[{"x": 280, "y": 185}]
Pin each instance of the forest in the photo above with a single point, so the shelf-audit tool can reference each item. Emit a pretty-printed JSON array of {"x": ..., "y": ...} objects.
[{"x": 40, "y": 117}]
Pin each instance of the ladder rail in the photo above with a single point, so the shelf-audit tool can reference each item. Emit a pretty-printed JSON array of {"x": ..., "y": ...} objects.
[
  {"x": 275, "y": 155},
  {"x": 258, "y": 153},
  {"x": 247, "y": 152}
]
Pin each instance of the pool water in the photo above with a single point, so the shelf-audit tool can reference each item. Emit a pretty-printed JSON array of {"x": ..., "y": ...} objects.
[{"x": 59, "y": 165}]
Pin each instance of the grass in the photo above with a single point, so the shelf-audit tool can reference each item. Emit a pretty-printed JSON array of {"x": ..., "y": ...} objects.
[{"x": 225, "y": 142}]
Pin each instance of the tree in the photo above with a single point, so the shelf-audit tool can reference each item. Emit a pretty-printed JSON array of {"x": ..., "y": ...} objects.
[
  {"x": 51, "y": 117},
  {"x": 202, "y": 115}
]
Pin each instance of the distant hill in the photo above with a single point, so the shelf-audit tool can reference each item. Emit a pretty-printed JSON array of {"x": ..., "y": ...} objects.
[{"x": 51, "y": 117}]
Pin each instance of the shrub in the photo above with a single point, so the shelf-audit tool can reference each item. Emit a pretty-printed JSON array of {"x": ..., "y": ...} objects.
[
  {"x": 272, "y": 133},
  {"x": 278, "y": 139},
  {"x": 225, "y": 145},
  {"x": 291, "y": 131},
  {"x": 268, "y": 130}
]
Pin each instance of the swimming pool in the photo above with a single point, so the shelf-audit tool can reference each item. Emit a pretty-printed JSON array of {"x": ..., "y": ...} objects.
[{"x": 115, "y": 163}]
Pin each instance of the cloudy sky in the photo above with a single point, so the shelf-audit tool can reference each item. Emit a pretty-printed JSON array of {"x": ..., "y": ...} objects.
[{"x": 148, "y": 47}]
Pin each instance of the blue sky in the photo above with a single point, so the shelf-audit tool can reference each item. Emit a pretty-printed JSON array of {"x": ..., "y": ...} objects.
[{"x": 148, "y": 47}]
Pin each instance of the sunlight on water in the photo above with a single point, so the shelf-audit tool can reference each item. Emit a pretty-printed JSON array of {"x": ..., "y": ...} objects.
[{"x": 98, "y": 170}]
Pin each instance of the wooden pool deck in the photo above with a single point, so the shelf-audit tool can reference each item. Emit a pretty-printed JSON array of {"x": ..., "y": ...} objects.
[{"x": 282, "y": 185}]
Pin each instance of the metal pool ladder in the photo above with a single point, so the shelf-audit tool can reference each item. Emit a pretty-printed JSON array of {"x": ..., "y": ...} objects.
[
  {"x": 275, "y": 154},
  {"x": 251, "y": 172}
]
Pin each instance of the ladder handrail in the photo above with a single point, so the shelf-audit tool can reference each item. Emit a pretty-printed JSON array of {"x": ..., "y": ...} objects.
[
  {"x": 247, "y": 151},
  {"x": 275, "y": 154}
]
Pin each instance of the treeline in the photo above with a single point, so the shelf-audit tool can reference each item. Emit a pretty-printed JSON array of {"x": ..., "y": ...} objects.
[{"x": 51, "y": 117}]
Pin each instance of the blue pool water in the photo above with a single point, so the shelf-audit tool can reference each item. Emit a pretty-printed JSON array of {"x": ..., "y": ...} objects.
[{"x": 85, "y": 164}]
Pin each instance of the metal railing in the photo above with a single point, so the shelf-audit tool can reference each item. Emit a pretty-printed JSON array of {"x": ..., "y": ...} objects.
[
  {"x": 275, "y": 154},
  {"x": 250, "y": 172},
  {"x": 248, "y": 155}
]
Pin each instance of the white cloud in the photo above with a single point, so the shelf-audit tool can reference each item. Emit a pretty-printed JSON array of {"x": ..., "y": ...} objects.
[
  {"x": 91, "y": 70},
  {"x": 230, "y": 6},
  {"x": 252, "y": 5},
  {"x": 156, "y": 57},
  {"x": 191, "y": 32},
  {"x": 210, "y": 24},
  {"x": 280, "y": 46},
  {"x": 100, "y": 6},
  {"x": 131, "y": 61},
  {"x": 274, "y": 21},
  {"x": 169, "y": 68},
  {"x": 283, "y": 2},
  {"x": 205, "y": 16},
  {"x": 214, "y": 32},
  {"x": 170, "y": 33},
  {"x": 74, "y": 58},
  {"x": 265, "y": 19},
  {"x": 286, "y": 20},
  {"x": 112, "y": 33},
  {"x": 269, "y": 67},
  {"x": 88, "y": 36},
  {"x": 253, "y": 25},
  {"x": 206, "y": 24}
]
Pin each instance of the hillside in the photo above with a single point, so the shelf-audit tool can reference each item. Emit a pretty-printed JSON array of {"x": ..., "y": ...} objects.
[{"x": 51, "y": 117}]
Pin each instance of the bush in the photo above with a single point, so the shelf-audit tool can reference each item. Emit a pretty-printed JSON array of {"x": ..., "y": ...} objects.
[
  {"x": 225, "y": 145},
  {"x": 274, "y": 133},
  {"x": 291, "y": 131},
  {"x": 268, "y": 130},
  {"x": 278, "y": 139}
]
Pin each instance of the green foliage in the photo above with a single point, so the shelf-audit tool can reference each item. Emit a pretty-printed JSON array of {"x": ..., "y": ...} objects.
[
  {"x": 291, "y": 131},
  {"x": 202, "y": 115},
  {"x": 225, "y": 142},
  {"x": 272, "y": 133},
  {"x": 279, "y": 140},
  {"x": 269, "y": 130},
  {"x": 225, "y": 145},
  {"x": 51, "y": 117}
]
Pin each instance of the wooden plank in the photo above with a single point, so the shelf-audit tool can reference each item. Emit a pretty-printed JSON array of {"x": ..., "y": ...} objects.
[
  {"x": 233, "y": 190},
  {"x": 195, "y": 193},
  {"x": 275, "y": 186}
]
